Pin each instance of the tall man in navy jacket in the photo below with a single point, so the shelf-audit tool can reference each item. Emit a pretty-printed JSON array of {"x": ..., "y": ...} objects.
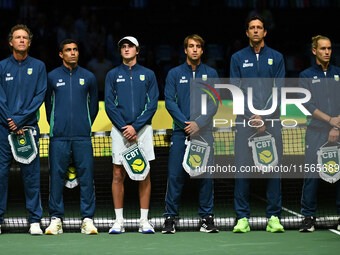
[
  {"x": 22, "y": 91},
  {"x": 71, "y": 108},
  {"x": 266, "y": 67},
  {"x": 322, "y": 80},
  {"x": 131, "y": 96},
  {"x": 185, "y": 123}
]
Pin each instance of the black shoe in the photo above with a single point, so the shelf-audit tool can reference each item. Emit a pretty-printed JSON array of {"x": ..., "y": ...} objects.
[
  {"x": 207, "y": 225},
  {"x": 169, "y": 225},
  {"x": 307, "y": 224}
]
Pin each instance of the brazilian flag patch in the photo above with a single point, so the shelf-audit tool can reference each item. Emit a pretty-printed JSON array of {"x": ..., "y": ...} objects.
[
  {"x": 196, "y": 157},
  {"x": 264, "y": 151},
  {"x": 135, "y": 162},
  {"x": 329, "y": 159}
]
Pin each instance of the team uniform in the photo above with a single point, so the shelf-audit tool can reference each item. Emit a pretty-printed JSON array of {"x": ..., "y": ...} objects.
[
  {"x": 22, "y": 91},
  {"x": 325, "y": 92},
  {"x": 131, "y": 98},
  {"x": 71, "y": 108},
  {"x": 177, "y": 102},
  {"x": 262, "y": 72}
]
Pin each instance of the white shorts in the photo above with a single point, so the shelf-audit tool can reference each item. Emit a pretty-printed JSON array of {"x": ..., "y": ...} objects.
[{"x": 119, "y": 143}]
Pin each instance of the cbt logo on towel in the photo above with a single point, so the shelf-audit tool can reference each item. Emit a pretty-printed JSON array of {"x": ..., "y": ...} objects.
[
  {"x": 329, "y": 160},
  {"x": 196, "y": 157},
  {"x": 196, "y": 154},
  {"x": 264, "y": 151},
  {"x": 135, "y": 162},
  {"x": 21, "y": 140}
]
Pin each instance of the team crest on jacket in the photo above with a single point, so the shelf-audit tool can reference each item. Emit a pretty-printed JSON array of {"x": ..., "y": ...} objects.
[
  {"x": 142, "y": 77},
  {"x": 336, "y": 77},
  {"x": 29, "y": 71},
  {"x": 81, "y": 81},
  {"x": 270, "y": 61},
  {"x": 204, "y": 77}
]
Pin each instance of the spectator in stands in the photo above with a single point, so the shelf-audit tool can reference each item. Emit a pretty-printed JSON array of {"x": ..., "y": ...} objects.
[
  {"x": 100, "y": 65},
  {"x": 71, "y": 108}
]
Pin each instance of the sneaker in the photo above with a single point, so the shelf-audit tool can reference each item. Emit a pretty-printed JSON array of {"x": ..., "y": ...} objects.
[
  {"x": 117, "y": 227},
  {"x": 35, "y": 229},
  {"x": 274, "y": 225},
  {"x": 0, "y": 229},
  {"x": 145, "y": 227},
  {"x": 88, "y": 228},
  {"x": 207, "y": 225},
  {"x": 169, "y": 225},
  {"x": 308, "y": 224},
  {"x": 242, "y": 226},
  {"x": 338, "y": 226},
  {"x": 55, "y": 227}
]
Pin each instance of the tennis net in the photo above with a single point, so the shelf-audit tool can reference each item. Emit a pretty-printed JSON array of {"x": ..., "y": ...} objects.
[{"x": 293, "y": 148}]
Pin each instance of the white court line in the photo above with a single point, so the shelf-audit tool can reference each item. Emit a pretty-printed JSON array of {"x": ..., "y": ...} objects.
[
  {"x": 297, "y": 214},
  {"x": 292, "y": 212},
  {"x": 335, "y": 231}
]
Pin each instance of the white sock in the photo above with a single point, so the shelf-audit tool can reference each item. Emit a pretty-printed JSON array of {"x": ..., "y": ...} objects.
[
  {"x": 144, "y": 214},
  {"x": 119, "y": 213}
]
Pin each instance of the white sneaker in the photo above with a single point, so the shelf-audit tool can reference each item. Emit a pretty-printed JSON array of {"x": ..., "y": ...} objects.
[
  {"x": 88, "y": 228},
  {"x": 35, "y": 229},
  {"x": 117, "y": 227},
  {"x": 145, "y": 227},
  {"x": 55, "y": 227}
]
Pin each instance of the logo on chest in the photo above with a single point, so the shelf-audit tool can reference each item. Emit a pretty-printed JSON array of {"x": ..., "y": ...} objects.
[
  {"x": 120, "y": 78},
  {"x": 9, "y": 77},
  {"x": 315, "y": 80},
  {"x": 183, "y": 80},
  {"x": 247, "y": 64},
  {"x": 60, "y": 83}
]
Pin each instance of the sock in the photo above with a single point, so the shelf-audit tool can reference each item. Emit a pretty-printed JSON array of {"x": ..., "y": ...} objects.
[
  {"x": 144, "y": 213},
  {"x": 119, "y": 213}
]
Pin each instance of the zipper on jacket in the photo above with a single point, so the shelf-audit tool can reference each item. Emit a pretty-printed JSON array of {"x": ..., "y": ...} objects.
[
  {"x": 19, "y": 88},
  {"x": 132, "y": 97},
  {"x": 328, "y": 95},
  {"x": 71, "y": 133},
  {"x": 258, "y": 73}
]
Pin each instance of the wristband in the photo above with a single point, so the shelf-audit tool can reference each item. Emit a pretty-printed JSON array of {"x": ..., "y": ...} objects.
[{"x": 335, "y": 128}]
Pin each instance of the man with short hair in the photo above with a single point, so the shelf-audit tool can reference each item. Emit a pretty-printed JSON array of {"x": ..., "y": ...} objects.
[
  {"x": 261, "y": 68},
  {"x": 71, "y": 108},
  {"x": 186, "y": 123},
  {"x": 322, "y": 80},
  {"x": 131, "y": 97},
  {"x": 22, "y": 91}
]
